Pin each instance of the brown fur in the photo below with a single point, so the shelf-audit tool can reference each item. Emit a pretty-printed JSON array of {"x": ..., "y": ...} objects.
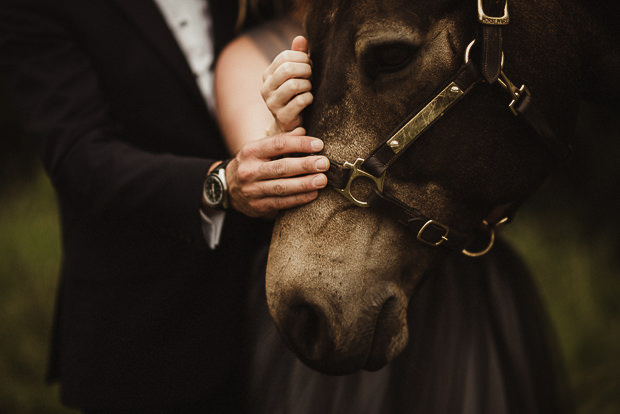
[{"x": 340, "y": 277}]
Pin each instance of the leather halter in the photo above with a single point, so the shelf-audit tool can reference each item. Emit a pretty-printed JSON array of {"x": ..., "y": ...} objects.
[{"x": 488, "y": 68}]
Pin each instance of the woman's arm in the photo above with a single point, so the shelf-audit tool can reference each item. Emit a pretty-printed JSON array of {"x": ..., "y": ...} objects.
[
  {"x": 241, "y": 112},
  {"x": 241, "y": 95}
]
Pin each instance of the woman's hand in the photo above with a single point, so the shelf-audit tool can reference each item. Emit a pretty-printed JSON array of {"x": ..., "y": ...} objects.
[
  {"x": 262, "y": 180},
  {"x": 286, "y": 86}
]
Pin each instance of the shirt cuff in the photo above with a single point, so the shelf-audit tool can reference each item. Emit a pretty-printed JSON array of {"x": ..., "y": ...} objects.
[{"x": 212, "y": 225}]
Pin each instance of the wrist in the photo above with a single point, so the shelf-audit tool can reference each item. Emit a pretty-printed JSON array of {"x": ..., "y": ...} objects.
[{"x": 215, "y": 187}]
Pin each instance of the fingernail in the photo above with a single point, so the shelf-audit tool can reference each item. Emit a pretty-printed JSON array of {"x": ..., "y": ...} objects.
[
  {"x": 316, "y": 144},
  {"x": 319, "y": 181},
  {"x": 321, "y": 164}
]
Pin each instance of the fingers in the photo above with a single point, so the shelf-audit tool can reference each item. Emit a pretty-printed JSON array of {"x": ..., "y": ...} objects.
[
  {"x": 300, "y": 44},
  {"x": 290, "y": 167},
  {"x": 289, "y": 116},
  {"x": 269, "y": 206},
  {"x": 287, "y": 56},
  {"x": 285, "y": 187},
  {"x": 286, "y": 87},
  {"x": 279, "y": 145},
  {"x": 255, "y": 191},
  {"x": 284, "y": 82}
]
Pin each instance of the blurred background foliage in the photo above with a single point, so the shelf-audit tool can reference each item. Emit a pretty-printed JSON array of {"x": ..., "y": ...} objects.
[{"x": 568, "y": 233}]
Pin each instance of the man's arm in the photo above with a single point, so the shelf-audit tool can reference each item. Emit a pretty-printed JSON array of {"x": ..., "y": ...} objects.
[{"x": 85, "y": 151}]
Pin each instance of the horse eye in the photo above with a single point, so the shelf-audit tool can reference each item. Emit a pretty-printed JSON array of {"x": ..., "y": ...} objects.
[{"x": 387, "y": 58}]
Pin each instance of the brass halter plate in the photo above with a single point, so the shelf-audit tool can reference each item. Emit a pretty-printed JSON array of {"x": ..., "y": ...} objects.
[{"x": 423, "y": 119}]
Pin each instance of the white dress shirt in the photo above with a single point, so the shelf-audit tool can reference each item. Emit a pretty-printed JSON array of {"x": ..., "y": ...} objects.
[{"x": 190, "y": 23}]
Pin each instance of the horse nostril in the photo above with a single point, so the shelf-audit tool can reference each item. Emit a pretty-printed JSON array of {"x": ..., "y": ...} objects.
[
  {"x": 388, "y": 326},
  {"x": 307, "y": 330}
]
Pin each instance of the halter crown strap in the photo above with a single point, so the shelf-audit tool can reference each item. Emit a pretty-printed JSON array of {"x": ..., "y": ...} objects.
[{"x": 492, "y": 16}]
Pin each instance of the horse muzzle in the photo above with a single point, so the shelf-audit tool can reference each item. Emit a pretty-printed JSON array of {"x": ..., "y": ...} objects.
[{"x": 336, "y": 340}]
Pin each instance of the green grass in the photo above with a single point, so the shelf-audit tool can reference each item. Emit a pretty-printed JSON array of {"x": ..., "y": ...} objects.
[
  {"x": 575, "y": 269},
  {"x": 577, "y": 274},
  {"x": 29, "y": 262}
]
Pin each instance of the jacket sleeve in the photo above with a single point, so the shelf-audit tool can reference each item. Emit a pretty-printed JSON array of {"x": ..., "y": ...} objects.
[{"x": 86, "y": 152}]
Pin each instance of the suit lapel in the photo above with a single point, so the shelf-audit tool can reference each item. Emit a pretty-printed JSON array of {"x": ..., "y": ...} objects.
[{"x": 149, "y": 21}]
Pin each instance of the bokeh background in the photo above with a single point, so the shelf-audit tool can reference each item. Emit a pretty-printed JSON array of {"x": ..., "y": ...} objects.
[{"x": 568, "y": 233}]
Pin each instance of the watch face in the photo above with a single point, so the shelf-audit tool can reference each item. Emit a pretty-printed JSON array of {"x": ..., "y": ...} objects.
[{"x": 214, "y": 191}]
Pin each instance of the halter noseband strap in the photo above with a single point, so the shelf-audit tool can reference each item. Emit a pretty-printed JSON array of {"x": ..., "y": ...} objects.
[{"x": 492, "y": 16}]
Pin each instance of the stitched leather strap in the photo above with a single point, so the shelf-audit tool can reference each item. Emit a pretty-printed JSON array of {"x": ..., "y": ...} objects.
[
  {"x": 490, "y": 41},
  {"x": 383, "y": 156},
  {"x": 427, "y": 230}
]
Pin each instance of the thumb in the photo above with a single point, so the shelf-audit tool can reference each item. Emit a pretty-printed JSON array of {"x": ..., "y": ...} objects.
[
  {"x": 300, "y": 44},
  {"x": 297, "y": 131}
]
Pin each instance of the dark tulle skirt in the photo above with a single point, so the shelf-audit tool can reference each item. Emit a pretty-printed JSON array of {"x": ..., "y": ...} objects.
[{"x": 480, "y": 342}]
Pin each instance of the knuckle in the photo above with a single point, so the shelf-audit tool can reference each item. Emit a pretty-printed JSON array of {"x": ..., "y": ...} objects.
[
  {"x": 305, "y": 186},
  {"x": 298, "y": 85},
  {"x": 245, "y": 153},
  {"x": 280, "y": 114},
  {"x": 279, "y": 189},
  {"x": 283, "y": 57},
  {"x": 271, "y": 103},
  {"x": 245, "y": 193},
  {"x": 303, "y": 100},
  {"x": 287, "y": 69},
  {"x": 267, "y": 73},
  {"x": 303, "y": 85},
  {"x": 278, "y": 169},
  {"x": 264, "y": 91},
  {"x": 307, "y": 69},
  {"x": 245, "y": 173},
  {"x": 308, "y": 164},
  {"x": 283, "y": 167},
  {"x": 279, "y": 143},
  {"x": 278, "y": 203}
]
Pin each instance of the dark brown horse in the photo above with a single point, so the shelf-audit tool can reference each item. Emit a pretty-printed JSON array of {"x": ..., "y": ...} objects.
[{"x": 340, "y": 277}]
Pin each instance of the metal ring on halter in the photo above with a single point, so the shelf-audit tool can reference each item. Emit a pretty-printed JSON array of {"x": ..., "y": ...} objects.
[
  {"x": 357, "y": 172},
  {"x": 469, "y": 46},
  {"x": 468, "y": 49},
  {"x": 486, "y": 249}
]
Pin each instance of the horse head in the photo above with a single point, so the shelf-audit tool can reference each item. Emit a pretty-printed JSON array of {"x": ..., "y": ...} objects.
[{"x": 340, "y": 277}]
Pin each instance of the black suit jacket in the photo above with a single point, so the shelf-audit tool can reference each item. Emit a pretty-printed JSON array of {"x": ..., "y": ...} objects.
[{"x": 147, "y": 315}]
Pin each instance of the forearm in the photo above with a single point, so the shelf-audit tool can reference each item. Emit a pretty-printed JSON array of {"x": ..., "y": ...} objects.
[
  {"x": 96, "y": 162},
  {"x": 242, "y": 114}
]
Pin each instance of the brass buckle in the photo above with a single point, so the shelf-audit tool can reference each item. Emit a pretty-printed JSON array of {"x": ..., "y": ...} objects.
[
  {"x": 356, "y": 173},
  {"x": 494, "y": 21},
  {"x": 443, "y": 238},
  {"x": 515, "y": 93}
]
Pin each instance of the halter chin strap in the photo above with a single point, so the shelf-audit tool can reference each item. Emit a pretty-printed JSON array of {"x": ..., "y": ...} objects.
[{"x": 492, "y": 16}]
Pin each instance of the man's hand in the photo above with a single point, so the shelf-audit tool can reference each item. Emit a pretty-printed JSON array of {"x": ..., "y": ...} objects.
[{"x": 262, "y": 180}]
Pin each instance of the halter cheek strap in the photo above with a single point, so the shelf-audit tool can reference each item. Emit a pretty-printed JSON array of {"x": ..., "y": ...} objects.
[{"x": 492, "y": 16}]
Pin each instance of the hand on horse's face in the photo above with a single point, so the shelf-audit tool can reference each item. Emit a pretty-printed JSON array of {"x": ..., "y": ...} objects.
[
  {"x": 286, "y": 86},
  {"x": 262, "y": 179}
]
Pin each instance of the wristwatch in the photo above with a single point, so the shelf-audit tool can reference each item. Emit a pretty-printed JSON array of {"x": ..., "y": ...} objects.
[{"x": 215, "y": 188}]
